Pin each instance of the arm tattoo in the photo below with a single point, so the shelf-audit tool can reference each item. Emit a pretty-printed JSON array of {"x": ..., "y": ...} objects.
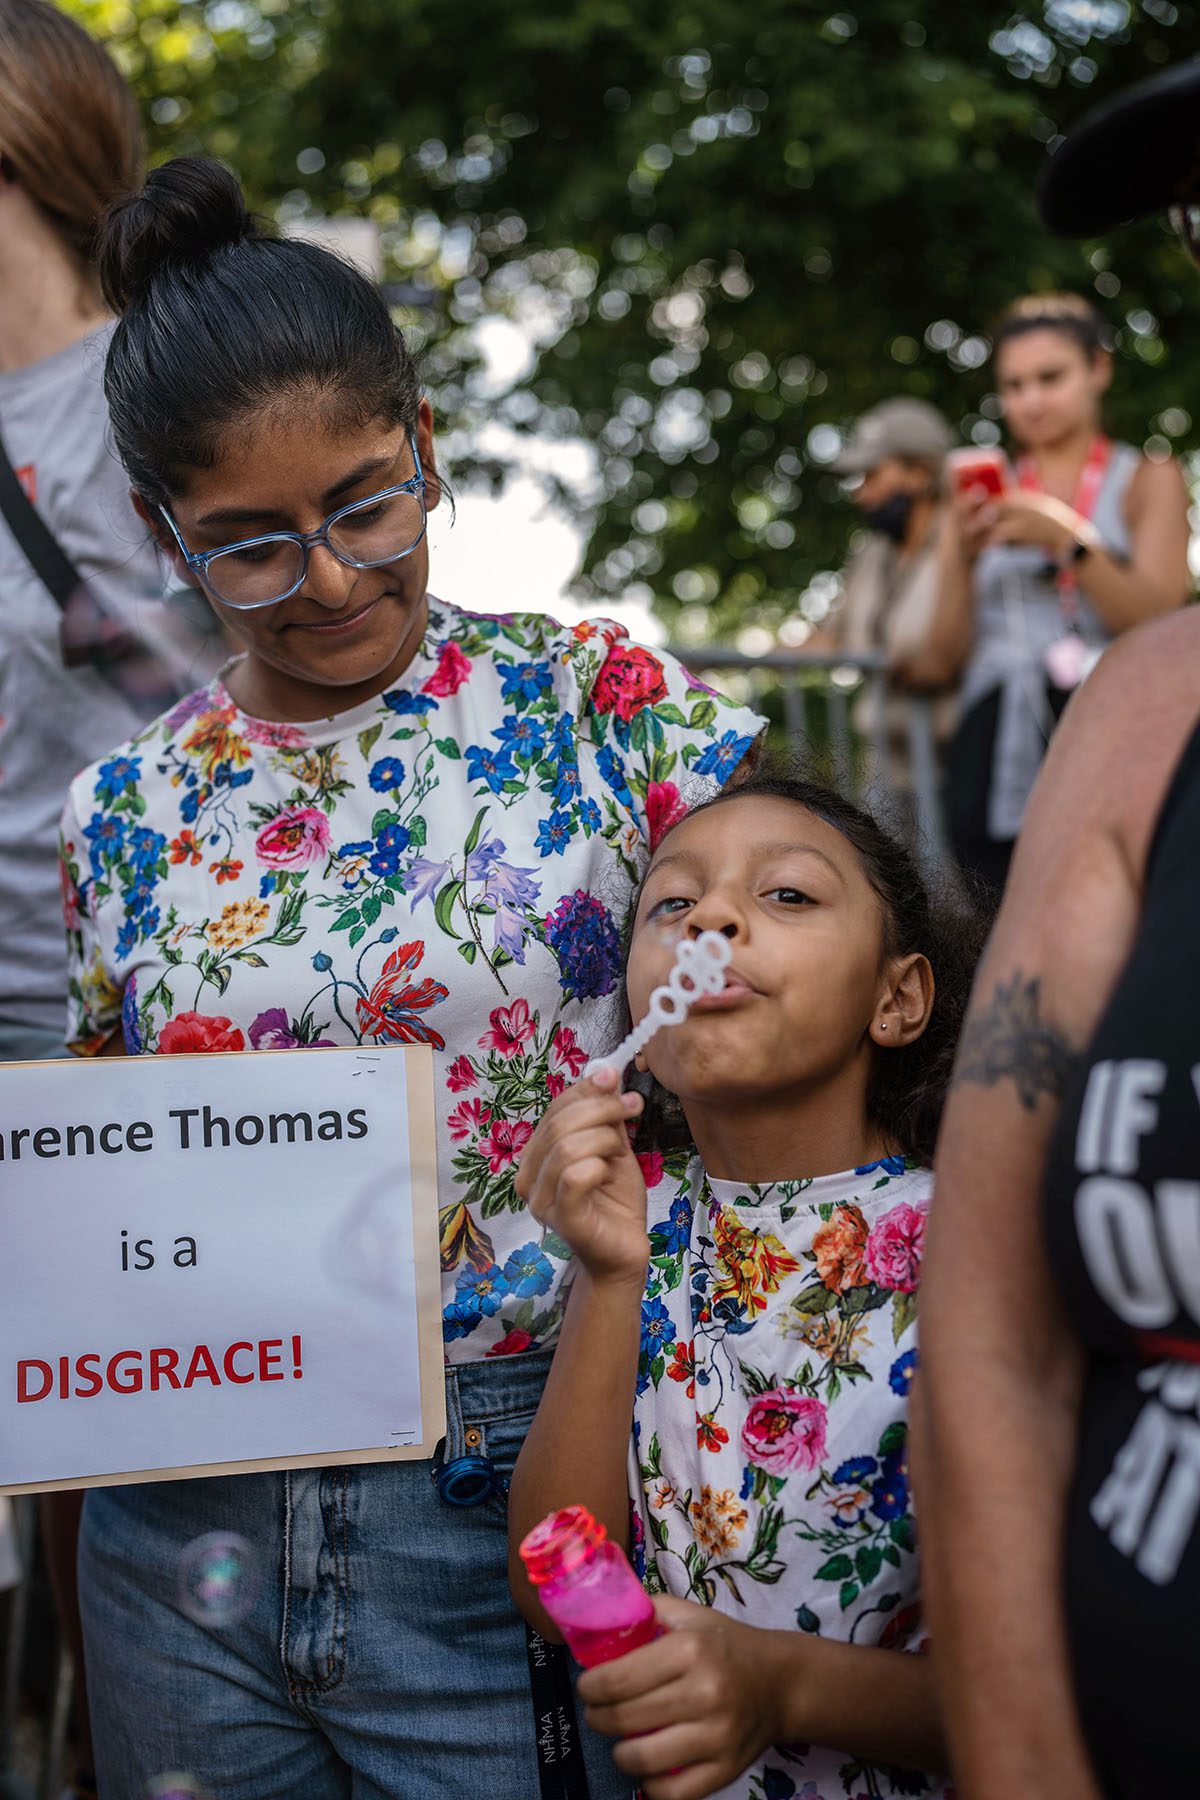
[{"x": 1008, "y": 1039}]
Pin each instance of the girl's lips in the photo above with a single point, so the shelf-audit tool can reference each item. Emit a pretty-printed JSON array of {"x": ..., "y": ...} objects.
[
  {"x": 733, "y": 994},
  {"x": 336, "y": 627}
]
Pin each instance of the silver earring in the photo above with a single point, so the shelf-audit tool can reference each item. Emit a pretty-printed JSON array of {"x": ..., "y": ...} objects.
[{"x": 883, "y": 1028}]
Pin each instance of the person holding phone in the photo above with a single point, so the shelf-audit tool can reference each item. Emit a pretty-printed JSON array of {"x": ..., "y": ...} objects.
[{"x": 1043, "y": 562}]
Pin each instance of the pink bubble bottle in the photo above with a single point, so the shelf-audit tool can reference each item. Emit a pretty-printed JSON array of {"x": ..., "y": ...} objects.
[{"x": 586, "y": 1585}]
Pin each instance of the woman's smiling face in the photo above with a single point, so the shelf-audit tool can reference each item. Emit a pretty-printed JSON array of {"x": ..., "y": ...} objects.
[
  {"x": 808, "y": 969},
  {"x": 352, "y": 630},
  {"x": 1049, "y": 386}
]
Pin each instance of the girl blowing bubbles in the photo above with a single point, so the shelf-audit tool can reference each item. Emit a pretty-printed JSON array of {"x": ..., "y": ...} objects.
[{"x": 769, "y": 1354}]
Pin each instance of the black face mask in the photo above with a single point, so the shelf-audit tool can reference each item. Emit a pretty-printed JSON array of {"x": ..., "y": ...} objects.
[{"x": 891, "y": 516}]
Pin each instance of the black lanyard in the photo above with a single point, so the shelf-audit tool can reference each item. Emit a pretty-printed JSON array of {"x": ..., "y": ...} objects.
[
  {"x": 470, "y": 1481},
  {"x": 562, "y": 1774}
]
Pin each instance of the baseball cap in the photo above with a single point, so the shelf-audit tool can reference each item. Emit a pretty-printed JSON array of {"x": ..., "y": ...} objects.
[
  {"x": 900, "y": 427},
  {"x": 1134, "y": 155}
]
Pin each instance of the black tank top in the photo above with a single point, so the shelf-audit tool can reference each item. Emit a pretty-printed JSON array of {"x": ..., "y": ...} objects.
[{"x": 1122, "y": 1220}]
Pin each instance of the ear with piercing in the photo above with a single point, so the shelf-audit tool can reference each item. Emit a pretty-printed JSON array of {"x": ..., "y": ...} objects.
[{"x": 699, "y": 968}]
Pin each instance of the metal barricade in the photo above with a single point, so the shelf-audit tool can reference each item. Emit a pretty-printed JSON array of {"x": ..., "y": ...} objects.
[{"x": 811, "y": 700}]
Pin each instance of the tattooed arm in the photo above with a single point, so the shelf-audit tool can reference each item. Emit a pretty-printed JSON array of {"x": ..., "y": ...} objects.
[
  {"x": 995, "y": 1409},
  {"x": 1008, "y": 1040}
]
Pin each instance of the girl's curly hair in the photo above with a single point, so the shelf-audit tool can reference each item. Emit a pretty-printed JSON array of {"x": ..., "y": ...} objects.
[{"x": 922, "y": 911}]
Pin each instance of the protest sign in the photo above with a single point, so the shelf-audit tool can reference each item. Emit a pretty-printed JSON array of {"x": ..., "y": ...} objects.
[{"x": 217, "y": 1264}]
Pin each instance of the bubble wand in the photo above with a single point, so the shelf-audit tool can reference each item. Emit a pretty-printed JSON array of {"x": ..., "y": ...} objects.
[{"x": 699, "y": 969}]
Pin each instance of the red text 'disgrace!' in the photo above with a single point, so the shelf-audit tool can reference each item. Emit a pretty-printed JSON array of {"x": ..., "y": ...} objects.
[{"x": 165, "y": 1366}]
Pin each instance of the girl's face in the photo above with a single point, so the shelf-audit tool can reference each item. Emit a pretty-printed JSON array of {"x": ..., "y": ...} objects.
[
  {"x": 1050, "y": 387},
  {"x": 343, "y": 628},
  {"x": 808, "y": 986}
]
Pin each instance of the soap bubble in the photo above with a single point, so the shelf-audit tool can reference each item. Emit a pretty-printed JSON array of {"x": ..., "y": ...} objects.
[
  {"x": 176, "y": 1786},
  {"x": 218, "y": 1579}
]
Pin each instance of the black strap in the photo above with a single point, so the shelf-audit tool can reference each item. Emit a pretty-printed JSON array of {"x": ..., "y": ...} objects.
[
  {"x": 42, "y": 550},
  {"x": 88, "y": 634},
  {"x": 562, "y": 1774}
]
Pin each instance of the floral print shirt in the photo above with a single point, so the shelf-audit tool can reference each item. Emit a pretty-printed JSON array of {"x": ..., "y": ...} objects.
[
  {"x": 449, "y": 864},
  {"x": 769, "y": 1465}
]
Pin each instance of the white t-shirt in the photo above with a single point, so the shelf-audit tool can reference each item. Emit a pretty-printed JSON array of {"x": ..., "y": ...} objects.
[{"x": 54, "y": 719}]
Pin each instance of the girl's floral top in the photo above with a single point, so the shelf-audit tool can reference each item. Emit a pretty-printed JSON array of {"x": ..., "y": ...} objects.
[
  {"x": 769, "y": 1467},
  {"x": 447, "y": 864}
]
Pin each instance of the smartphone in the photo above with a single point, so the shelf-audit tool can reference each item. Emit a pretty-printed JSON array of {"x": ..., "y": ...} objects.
[{"x": 979, "y": 467}]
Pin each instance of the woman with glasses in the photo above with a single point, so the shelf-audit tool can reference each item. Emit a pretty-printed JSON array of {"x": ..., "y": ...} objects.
[
  {"x": 1059, "y": 1476},
  {"x": 387, "y": 821}
]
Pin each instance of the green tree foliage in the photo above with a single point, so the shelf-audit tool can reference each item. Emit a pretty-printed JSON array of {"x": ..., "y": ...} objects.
[{"x": 726, "y": 228}]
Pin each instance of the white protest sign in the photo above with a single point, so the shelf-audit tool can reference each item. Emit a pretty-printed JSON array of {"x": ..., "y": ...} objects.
[{"x": 217, "y": 1262}]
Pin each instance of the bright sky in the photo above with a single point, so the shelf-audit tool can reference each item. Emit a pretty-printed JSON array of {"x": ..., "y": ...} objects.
[{"x": 518, "y": 552}]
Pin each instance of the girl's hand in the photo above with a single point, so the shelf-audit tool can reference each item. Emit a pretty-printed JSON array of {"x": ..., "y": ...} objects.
[
  {"x": 696, "y": 1706},
  {"x": 580, "y": 1178},
  {"x": 1024, "y": 517}
]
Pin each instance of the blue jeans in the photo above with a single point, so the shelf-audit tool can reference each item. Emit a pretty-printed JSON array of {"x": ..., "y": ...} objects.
[
  {"x": 382, "y": 1656},
  {"x": 31, "y": 1043}
]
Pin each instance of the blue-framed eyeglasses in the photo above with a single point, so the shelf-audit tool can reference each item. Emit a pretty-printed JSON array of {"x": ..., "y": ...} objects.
[{"x": 262, "y": 571}]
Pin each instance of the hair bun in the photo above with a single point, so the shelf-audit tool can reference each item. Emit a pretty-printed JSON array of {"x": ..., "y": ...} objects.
[{"x": 189, "y": 207}]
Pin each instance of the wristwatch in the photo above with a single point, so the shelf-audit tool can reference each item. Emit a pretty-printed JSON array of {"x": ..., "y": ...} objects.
[{"x": 1084, "y": 541}]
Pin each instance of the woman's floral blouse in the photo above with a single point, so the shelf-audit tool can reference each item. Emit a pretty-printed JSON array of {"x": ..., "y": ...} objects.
[
  {"x": 447, "y": 864},
  {"x": 769, "y": 1468}
]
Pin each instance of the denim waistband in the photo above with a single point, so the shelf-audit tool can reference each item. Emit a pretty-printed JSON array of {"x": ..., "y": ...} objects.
[
  {"x": 498, "y": 1386},
  {"x": 486, "y": 1403}
]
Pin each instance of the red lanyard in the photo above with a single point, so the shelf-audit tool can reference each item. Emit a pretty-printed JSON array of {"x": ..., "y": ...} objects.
[{"x": 1087, "y": 492}]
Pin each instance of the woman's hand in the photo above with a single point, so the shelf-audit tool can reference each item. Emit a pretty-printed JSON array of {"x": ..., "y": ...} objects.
[
  {"x": 974, "y": 514},
  {"x": 1018, "y": 516},
  {"x": 580, "y": 1178},
  {"x": 696, "y": 1706},
  {"x": 1022, "y": 516}
]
